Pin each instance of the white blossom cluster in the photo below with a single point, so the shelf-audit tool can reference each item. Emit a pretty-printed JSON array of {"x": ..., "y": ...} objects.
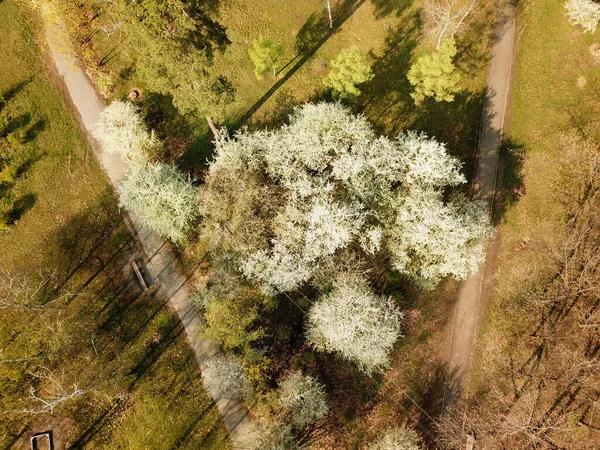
[
  {"x": 304, "y": 397},
  {"x": 224, "y": 376},
  {"x": 161, "y": 197},
  {"x": 345, "y": 186},
  {"x": 158, "y": 194},
  {"x": 122, "y": 130},
  {"x": 585, "y": 13},
  {"x": 356, "y": 323},
  {"x": 397, "y": 439}
]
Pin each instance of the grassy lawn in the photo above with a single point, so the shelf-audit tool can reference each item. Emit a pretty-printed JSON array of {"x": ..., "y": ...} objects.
[
  {"x": 389, "y": 33},
  {"x": 140, "y": 385},
  {"x": 555, "y": 94}
]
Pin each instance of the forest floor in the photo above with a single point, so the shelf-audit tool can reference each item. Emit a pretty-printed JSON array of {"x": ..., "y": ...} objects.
[{"x": 123, "y": 348}]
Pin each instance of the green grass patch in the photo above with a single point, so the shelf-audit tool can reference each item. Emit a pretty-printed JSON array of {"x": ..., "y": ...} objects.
[{"x": 141, "y": 385}]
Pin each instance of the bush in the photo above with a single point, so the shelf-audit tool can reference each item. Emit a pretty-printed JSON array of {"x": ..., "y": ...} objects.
[
  {"x": 162, "y": 198},
  {"x": 224, "y": 376},
  {"x": 357, "y": 324},
  {"x": 16, "y": 138},
  {"x": 304, "y": 397}
]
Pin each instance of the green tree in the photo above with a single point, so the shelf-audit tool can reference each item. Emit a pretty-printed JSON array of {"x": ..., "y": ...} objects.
[
  {"x": 348, "y": 70},
  {"x": 175, "y": 41},
  {"x": 264, "y": 54},
  {"x": 231, "y": 321},
  {"x": 434, "y": 75}
]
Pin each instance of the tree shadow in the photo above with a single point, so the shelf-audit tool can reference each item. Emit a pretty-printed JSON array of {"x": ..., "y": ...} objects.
[
  {"x": 453, "y": 124},
  {"x": 441, "y": 392},
  {"x": 35, "y": 129},
  {"x": 84, "y": 239},
  {"x": 16, "y": 123},
  {"x": 11, "y": 92},
  {"x": 25, "y": 166},
  {"x": 511, "y": 183},
  {"x": 20, "y": 207},
  {"x": 384, "y": 8},
  {"x": 386, "y": 98}
]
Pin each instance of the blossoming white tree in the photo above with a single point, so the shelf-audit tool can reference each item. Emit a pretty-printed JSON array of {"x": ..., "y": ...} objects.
[
  {"x": 122, "y": 130},
  {"x": 354, "y": 322},
  {"x": 341, "y": 187},
  {"x": 162, "y": 198},
  {"x": 224, "y": 376},
  {"x": 304, "y": 397},
  {"x": 397, "y": 439},
  {"x": 585, "y": 13}
]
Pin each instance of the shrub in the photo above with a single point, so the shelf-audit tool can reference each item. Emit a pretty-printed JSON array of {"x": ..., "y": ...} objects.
[
  {"x": 224, "y": 376},
  {"x": 304, "y": 397},
  {"x": 357, "y": 324}
]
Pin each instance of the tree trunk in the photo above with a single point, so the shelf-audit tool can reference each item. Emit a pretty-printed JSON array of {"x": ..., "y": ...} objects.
[
  {"x": 329, "y": 12},
  {"x": 212, "y": 125}
]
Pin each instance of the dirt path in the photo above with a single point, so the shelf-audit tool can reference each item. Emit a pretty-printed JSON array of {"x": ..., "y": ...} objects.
[
  {"x": 463, "y": 328},
  {"x": 161, "y": 264}
]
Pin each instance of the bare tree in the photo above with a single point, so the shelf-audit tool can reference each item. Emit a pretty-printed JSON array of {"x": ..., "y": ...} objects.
[
  {"x": 446, "y": 18},
  {"x": 18, "y": 291},
  {"x": 56, "y": 392}
]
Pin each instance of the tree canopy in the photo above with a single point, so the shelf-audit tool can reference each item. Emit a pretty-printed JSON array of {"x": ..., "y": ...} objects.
[
  {"x": 162, "y": 198},
  {"x": 175, "y": 41},
  {"x": 354, "y": 322},
  {"x": 304, "y": 397},
  {"x": 585, "y": 13},
  {"x": 434, "y": 75},
  {"x": 337, "y": 189},
  {"x": 348, "y": 70},
  {"x": 264, "y": 54}
]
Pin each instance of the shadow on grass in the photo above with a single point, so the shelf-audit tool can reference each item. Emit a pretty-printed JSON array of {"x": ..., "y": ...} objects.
[
  {"x": 86, "y": 237},
  {"x": 386, "y": 98},
  {"x": 10, "y": 93},
  {"x": 511, "y": 184},
  {"x": 311, "y": 37},
  {"x": 20, "y": 207}
]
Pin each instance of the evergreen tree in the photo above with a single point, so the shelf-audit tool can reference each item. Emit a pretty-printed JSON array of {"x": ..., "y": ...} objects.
[
  {"x": 434, "y": 75},
  {"x": 348, "y": 70},
  {"x": 264, "y": 54}
]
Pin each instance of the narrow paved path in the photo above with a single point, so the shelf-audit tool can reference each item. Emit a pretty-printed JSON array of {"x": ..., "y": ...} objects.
[
  {"x": 161, "y": 264},
  {"x": 464, "y": 324}
]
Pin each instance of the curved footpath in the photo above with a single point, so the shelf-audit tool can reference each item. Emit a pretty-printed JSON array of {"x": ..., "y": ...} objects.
[
  {"x": 161, "y": 264},
  {"x": 464, "y": 325}
]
